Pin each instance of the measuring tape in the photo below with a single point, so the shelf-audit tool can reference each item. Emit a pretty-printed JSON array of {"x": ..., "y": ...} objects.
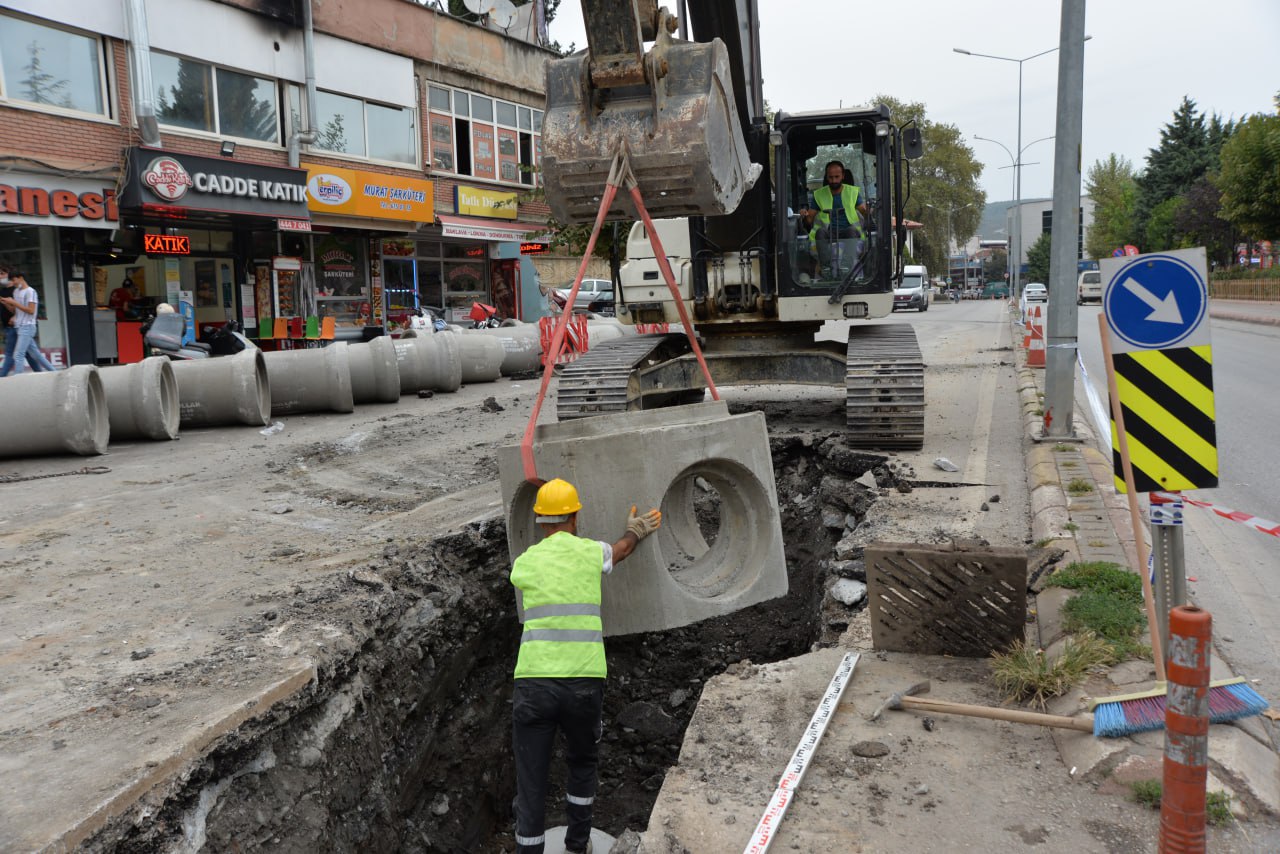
[
  {"x": 1263, "y": 525},
  {"x": 794, "y": 773}
]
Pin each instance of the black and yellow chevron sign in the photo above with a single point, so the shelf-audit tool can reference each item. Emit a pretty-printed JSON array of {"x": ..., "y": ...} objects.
[{"x": 1167, "y": 400}]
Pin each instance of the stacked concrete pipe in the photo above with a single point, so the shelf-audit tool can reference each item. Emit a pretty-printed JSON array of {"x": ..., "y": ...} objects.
[
  {"x": 429, "y": 362},
  {"x": 142, "y": 399},
  {"x": 521, "y": 347},
  {"x": 481, "y": 355},
  {"x": 53, "y": 413},
  {"x": 601, "y": 330},
  {"x": 224, "y": 390},
  {"x": 375, "y": 375},
  {"x": 316, "y": 379}
]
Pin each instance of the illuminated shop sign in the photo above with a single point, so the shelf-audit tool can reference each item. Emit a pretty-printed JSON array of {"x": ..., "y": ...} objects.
[
  {"x": 169, "y": 179},
  {"x": 356, "y": 192},
  {"x": 166, "y": 244}
]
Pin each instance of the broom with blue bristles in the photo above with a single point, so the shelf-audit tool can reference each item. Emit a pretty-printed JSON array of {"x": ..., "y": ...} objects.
[{"x": 1229, "y": 699}]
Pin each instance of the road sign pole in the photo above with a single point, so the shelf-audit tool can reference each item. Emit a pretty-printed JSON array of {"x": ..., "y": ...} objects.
[
  {"x": 1168, "y": 559},
  {"x": 1061, "y": 333}
]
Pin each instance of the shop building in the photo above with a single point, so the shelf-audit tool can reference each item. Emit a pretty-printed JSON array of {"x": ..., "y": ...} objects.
[{"x": 437, "y": 138}]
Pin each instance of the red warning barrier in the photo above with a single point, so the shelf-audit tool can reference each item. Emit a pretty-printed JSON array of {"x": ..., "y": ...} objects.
[
  {"x": 575, "y": 338},
  {"x": 1186, "y": 742},
  {"x": 1035, "y": 337}
]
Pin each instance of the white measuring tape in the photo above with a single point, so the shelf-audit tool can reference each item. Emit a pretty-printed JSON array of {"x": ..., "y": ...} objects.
[
  {"x": 1258, "y": 524},
  {"x": 794, "y": 773}
]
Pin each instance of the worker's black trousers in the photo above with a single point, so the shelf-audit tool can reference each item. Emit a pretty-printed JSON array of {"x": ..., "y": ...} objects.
[{"x": 538, "y": 708}]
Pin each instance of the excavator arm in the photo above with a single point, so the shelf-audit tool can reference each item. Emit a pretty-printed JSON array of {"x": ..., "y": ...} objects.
[{"x": 669, "y": 108}]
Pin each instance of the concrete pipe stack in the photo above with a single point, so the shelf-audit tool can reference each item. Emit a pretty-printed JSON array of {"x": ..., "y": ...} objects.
[
  {"x": 317, "y": 379},
  {"x": 430, "y": 362},
  {"x": 599, "y": 331},
  {"x": 375, "y": 374},
  {"x": 521, "y": 347},
  {"x": 481, "y": 355},
  {"x": 224, "y": 390},
  {"x": 54, "y": 413},
  {"x": 142, "y": 399}
]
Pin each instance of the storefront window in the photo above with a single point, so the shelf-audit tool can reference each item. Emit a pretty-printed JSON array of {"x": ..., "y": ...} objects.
[
  {"x": 339, "y": 265},
  {"x": 484, "y": 137},
  {"x": 51, "y": 67},
  {"x": 364, "y": 129}
]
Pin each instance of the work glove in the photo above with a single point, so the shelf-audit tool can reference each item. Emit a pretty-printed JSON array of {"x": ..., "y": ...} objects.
[{"x": 644, "y": 525}]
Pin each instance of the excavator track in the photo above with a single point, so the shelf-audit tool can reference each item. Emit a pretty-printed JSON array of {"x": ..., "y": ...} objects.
[
  {"x": 603, "y": 380},
  {"x": 884, "y": 388}
]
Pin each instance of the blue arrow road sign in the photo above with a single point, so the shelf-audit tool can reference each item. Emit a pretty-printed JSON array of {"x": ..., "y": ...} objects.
[{"x": 1158, "y": 301}]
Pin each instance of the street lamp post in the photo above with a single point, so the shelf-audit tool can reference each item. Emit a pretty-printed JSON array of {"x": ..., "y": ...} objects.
[
  {"x": 1014, "y": 164},
  {"x": 950, "y": 239},
  {"x": 1018, "y": 164}
]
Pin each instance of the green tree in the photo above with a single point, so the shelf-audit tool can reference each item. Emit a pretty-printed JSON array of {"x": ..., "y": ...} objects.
[
  {"x": 944, "y": 180},
  {"x": 1110, "y": 184},
  {"x": 1188, "y": 149},
  {"x": 1250, "y": 177},
  {"x": 1160, "y": 233},
  {"x": 995, "y": 266},
  {"x": 1038, "y": 259},
  {"x": 1198, "y": 222}
]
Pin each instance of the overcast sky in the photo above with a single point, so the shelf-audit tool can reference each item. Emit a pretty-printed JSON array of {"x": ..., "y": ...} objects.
[{"x": 1144, "y": 56}]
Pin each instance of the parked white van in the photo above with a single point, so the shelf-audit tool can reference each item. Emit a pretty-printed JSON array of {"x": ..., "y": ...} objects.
[{"x": 1089, "y": 287}]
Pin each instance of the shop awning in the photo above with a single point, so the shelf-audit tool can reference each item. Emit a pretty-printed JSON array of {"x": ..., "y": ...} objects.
[{"x": 502, "y": 231}]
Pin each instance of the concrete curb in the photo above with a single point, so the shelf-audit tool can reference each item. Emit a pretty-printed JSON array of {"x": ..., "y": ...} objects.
[
  {"x": 1242, "y": 756},
  {"x": 1244, "y": 318}
]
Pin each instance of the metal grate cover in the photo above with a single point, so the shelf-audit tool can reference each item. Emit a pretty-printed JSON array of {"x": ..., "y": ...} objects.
[{"x": 952, "y": 599}]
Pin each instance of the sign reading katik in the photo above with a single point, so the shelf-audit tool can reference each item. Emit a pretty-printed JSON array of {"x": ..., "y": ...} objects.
[
  {"x": 355, "y": 192},
  {"x": 171, "y": 179}
]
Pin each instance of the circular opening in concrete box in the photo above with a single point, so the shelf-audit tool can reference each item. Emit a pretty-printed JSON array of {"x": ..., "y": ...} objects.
[{"x": 714, "y": 516}]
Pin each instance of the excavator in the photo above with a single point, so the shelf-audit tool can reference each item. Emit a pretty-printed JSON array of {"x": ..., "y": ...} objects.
[{"x": 732, "y": 193}]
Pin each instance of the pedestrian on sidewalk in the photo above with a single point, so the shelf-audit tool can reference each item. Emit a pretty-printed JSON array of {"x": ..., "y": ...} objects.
[
  {"x": 24, "y": 304},
  {"x": 560, "y": 669}
]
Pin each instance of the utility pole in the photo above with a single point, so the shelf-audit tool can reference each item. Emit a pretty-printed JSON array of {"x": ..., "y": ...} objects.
[{"x": 1061, "y": 326}]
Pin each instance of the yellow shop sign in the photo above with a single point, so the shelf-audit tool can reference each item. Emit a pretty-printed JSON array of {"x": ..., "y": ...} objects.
[
  {"x": 354, "y": 192},
  {"x": 473, "y": 202}
]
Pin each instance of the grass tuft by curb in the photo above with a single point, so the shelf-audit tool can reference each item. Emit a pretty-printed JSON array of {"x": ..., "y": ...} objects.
[
  {"x": 1108, "y": 605},
  {"x": 1026, "y": 673},
  {"x": 1079, "y": 486},
  {"x": 1217, "y": 805}
]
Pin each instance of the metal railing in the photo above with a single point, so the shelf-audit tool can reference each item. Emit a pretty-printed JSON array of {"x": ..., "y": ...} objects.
[{"x": 1265, "y": 290}]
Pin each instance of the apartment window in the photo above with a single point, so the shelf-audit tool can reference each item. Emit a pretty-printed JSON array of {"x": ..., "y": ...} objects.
[
  {"x": 198, "y": 96},
  {"x": 483, "y": 137},
  {"x": 51, "y": 67},
  {"x": 347, "y": 125}
]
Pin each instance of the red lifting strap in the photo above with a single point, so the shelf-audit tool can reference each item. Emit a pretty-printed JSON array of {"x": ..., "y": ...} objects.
[{"x": 619, "y": 174}]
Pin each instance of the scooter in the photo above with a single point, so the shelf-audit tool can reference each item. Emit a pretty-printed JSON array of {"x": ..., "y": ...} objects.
[{"x": 163, "y": 337}]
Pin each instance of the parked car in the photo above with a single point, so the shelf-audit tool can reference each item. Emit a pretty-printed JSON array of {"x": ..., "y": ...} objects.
[
  {"x": 603, "y": 302},
  {"x": 1035, "y": 292},
  {"x": 590, "y": 291},
  {"x": 1089, "y": 287}
]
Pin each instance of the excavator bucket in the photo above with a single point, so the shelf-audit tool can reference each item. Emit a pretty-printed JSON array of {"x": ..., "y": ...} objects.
[
  {"x": 682, "y": 133},
  {"x": 680, "y": 460}
]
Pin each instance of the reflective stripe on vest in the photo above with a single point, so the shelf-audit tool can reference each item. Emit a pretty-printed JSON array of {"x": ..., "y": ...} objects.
[
  {"x": 850, "y": 203},
  {"x": 559, "y": 580}
]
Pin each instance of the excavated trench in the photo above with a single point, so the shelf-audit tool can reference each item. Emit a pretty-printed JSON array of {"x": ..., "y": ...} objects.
[{"x": 405, "y": 744}]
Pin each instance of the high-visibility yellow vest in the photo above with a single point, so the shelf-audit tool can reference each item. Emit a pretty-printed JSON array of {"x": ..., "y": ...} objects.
[
  {"x": 560, "y": 582},
  {"x": 824, "y": 199}
]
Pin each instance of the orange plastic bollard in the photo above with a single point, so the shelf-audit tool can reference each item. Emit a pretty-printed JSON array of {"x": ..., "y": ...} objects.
[
  {"x": 1186, "y": 733},
  {"x": 1035, "y": 346}
]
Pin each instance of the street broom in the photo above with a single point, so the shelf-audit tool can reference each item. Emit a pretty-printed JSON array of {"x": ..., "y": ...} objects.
[{"x": 1229, "y": 699}]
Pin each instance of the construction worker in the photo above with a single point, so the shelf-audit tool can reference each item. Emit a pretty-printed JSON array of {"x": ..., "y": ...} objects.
[
  {"x": 835, "y": 220},
  {"x": 560, "y": 670}
]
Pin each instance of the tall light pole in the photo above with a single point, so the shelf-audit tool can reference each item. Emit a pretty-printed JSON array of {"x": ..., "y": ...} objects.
[
  {"x": 950, "y": 240},
  {"x": 1014, "y": 164},
  {"x": 1018, "y": 164}
]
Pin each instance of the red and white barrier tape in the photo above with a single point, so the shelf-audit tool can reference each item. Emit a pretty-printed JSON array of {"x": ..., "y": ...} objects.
[
  {"x": 1263, "y": 525},
  {"x": 794, "y": 773}
]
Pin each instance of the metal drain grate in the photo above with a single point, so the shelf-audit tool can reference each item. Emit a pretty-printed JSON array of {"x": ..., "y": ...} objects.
[{"x": 946, "y": 600}]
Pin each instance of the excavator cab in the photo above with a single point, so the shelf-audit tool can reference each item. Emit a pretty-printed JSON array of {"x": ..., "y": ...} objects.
[
  {"x": 832, "y": 238},
  {"x": 671, "y": 108}
]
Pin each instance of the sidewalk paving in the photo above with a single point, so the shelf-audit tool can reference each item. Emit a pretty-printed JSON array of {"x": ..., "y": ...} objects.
[{"x": 1094, "y": 525}]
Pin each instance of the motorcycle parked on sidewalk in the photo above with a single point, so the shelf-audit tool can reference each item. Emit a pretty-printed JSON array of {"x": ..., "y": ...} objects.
[{"x": 163, "y": 337}]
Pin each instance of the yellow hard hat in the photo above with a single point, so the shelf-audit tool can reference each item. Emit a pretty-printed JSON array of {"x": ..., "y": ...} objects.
[{"x": 556, "y": 500}]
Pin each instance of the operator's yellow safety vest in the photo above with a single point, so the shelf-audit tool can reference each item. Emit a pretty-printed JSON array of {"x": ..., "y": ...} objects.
[
  {"x": 823, "y": 197},
  {"x": 560, "y": 581}
]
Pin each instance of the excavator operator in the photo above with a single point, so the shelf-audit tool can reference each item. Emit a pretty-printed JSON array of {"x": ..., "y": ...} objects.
[
  {"x": 560, "y": 669},
  {"x": 835, "y": 219}
]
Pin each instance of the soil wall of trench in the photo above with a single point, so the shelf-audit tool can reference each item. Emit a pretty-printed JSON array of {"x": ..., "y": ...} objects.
[{"x": 403, "y": 744}]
